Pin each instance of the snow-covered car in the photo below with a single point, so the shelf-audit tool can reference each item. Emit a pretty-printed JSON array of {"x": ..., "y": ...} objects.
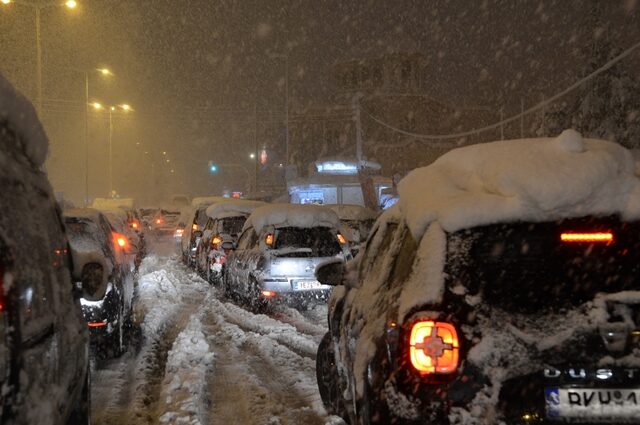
[
  {"x": 165, "y": 222},
  {"x": 96, "y": 251},
  {"x": 194, "y": 225},
  {"x": 132, "y": 243},
  {"x": 357, "y": 221},
  {"x": 278, "y": 251},
  {"x": 224, "y": 223},
  {"x": 44, "y": 366},
  {"x": 503, "y": 288}
]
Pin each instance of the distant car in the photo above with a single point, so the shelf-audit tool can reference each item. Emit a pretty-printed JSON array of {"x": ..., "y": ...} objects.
[
  {"x": 221, "y": 231},
  {"x": 96, "y": 251},
  {"x": 146, "y": 216},
  {"x": 358, "y": 220},
  {"x": 277, "y": 254},
  {"x": 44, "y": 366},
  {"x": 165, "y": 222},
  {"x": 504, "y": 288},
  {"x": 195, "y": 220}
]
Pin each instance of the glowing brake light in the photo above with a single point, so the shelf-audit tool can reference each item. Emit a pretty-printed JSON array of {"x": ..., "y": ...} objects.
[
  {"x": 341, "y": 239},
  {"x": 97, "y": 324},
  {"x": 158, "y": 221},
  {"x": 602, "y": 237},
  {"x": 268, "y": 294},
  {"x": 194, "y": 226},
  {"x": 269, "y": 239},
  {"x": 215, "y": 241},
  {"x": 119, "y": 240},
  {"x": 134, "y": 225},
  {"x": 434, "y": 347}
]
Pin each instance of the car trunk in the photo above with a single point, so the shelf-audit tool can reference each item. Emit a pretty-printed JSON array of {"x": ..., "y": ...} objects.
[{"x": 559, "y": 316}]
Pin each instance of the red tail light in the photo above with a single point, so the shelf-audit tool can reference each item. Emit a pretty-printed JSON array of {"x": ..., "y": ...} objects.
[
  {"x": 269, "y": 239},
  {"x": 600, "y": 237},
  {"x": 194, "y": 226},
  {"x": 215, "y": 241},
  {"x": 268, "y": 294},
  {"x": 434, "y": 347},
  {"x": 96, "y": 324},
  {"x": 158, "y": 221},
  {"x": 119, "y": 241},
  {"x": 342, "y": 239}
]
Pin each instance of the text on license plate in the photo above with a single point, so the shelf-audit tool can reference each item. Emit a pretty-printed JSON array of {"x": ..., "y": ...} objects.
[
  {"x": 592, "y": 403},
  {"x": 307, "y": 284}
]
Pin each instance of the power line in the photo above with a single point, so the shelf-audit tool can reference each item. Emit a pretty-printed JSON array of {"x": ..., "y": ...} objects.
[{"x": 513, "y": 118}]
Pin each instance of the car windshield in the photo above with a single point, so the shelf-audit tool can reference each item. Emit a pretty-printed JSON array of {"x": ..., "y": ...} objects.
[{"x": 318, "y": 241}]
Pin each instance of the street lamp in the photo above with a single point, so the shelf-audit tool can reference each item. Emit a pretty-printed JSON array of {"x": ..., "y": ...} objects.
[
  {"x": 112, "y": 108},
  {"x": 286, "y": 101},
  {"x": 70, "y": 4}
]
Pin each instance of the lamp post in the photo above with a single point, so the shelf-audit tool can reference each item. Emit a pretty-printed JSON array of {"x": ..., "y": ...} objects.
[
  {"x": 112, "y": 108},
  {"x": 70, "y": 4},
  {"x": 286, "y": 102}
]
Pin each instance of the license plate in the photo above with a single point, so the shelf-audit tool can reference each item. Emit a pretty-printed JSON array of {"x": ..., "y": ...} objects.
[
  {"x": 590, "y": 403},
  {"x": 307, "y": 284}
]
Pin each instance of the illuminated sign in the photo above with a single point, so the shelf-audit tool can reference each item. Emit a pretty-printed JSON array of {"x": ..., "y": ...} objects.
[{"x": 336, "y": 167}]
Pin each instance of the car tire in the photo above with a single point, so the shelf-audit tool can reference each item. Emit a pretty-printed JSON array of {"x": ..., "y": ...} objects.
[
  {"x": 328, "y": 379},
  {"x": 81, "y": 414}
]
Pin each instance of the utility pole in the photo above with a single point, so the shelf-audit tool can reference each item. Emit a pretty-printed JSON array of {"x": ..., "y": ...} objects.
[{"x": 255, "y": 143}]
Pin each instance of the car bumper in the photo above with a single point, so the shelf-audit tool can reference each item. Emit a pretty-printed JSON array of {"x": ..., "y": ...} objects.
[{"x": 297, "y": 289}]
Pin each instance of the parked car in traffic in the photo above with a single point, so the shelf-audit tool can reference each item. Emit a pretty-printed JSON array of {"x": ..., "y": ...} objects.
[
  {"x": 99, "y": 252},
  {"x": 132, "y": 244},
  {"x": 224, "y": 223},
  {"x": 44, "y": 366},
  {"x": 278, "y": 251},
  {"x": 195, "y": 220},
  {"x": 504, "y": 287},
  {"x": 165, "y": 222},
  {"x": 357, "y": 222}
]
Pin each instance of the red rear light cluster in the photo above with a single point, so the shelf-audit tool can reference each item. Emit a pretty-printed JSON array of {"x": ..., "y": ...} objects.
[
  {"x": 434, "y": 347},
  {"x": 269, "y": 239},
  {"x": 594, "y": 237},
  {"x": 215, "y": 241}
]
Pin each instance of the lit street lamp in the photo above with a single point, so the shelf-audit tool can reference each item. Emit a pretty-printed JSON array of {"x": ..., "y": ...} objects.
[
  {"x": 112, "y": 108},
  {"x": 70, "y": 4}
]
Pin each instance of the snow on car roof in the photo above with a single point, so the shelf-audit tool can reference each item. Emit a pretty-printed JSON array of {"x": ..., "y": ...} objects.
[
  {"x": 22, "y": 118},
  {"x": 89, "y": 213},
  {"x": 241, "y": 206},
  {"x": 353, "y": 212},
  {"x": 522, "y": 180},
  {"x": 207, "y": 200},
  {"x": 285, "y": 215},
  {"x": 109, "y": 203}
]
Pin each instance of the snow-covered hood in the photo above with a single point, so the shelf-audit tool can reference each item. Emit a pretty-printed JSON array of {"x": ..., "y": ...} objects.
[
  {"x": 522, "y": 180},
  {"x": 22, "y": 117}
]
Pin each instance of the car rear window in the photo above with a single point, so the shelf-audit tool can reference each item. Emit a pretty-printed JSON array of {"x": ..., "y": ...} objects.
[
  {"x": 320, "y": 240},
  {"x": 233, "y": 225}
]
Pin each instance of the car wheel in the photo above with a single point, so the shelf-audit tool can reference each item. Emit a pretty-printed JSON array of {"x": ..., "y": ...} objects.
[
  {"x": 329, "y": 380},
  {"x": 82, "y": 411}
]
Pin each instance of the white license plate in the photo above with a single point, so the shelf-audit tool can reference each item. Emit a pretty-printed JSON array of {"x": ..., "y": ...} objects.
[
  {"x": 583, "y": 403},
  {"x": 307, "y": 284}
]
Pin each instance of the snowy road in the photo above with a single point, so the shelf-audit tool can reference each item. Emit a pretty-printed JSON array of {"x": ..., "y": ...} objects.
[{"x": 200, "y": 359}]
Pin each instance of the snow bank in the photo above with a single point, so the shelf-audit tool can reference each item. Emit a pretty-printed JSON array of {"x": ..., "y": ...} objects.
[
  {"x": 22, "y": 118},
  {"x": 222, "y": 209},
  {"x": 289, "y": 215},
  {"x": 186, "y": 371},
  {"x": 529, "y": 179}
]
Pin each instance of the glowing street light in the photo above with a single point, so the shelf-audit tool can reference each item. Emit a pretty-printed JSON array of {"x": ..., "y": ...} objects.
[
  {"x": 105, "y": 71},
  {"x": 125, "y": 107},
  {"x": 252, "y": 156},
  {"x": 70, "y": 4}
]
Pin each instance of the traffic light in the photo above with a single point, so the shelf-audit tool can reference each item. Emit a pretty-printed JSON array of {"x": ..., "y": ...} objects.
[{"x": 212, "y": 167}]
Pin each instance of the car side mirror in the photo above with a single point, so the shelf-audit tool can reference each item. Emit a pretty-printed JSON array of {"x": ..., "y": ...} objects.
[
  {"x": 228, "y": 246},
  {"x": 331, "y": 272},
  {"x": 94, "y": 282}
]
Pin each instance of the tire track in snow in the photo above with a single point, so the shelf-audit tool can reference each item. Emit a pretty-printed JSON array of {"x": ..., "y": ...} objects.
[{"x": 256, "y": 380}]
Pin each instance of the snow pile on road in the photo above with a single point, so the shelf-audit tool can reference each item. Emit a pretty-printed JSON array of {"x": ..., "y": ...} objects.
[
  {"x": 185, "y": 378},
  {"x": 288, "y": 215},
  {"x": 22, "y": 118},
  {"x": 530, "y": 179}
]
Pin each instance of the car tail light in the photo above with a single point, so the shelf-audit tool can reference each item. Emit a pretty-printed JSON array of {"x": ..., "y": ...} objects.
[
  {"x": 268, "y": 294},
  {"x": 158, "y": 221},
  {"x": 215, "y": 241},
  {"x": 120, "y": 241},
  {"x": 194, "y": 226},
  {"x": 341, "y": 239},
  {"x": 97, "y": 324},
  {"x": 578, "y": 237},
  {"x": 269, "y": 239},
  {"x": 434, "y": 347},
  {"x": 178, "y": 232}
]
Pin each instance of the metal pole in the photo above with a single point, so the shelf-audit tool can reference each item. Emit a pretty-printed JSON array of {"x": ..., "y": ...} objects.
[
  {"x": 39, "y": 60},
  {"x": 522, "y": 118},
  {"x": 356, "y": 107},
  {"x": 86, "y": 138},
  {"x": 286, "y": 108},
  {"x": 501, "y": 124},
  {"x": 110, "y": 152},
  {"x": 255, "y": 142}
]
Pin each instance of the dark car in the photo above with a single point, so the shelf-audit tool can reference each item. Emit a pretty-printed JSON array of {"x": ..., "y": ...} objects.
[
  {"x": 44, "y": 367},
  {"x": 95, "y": 245},
  {"x": 497, "y": 291}
]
